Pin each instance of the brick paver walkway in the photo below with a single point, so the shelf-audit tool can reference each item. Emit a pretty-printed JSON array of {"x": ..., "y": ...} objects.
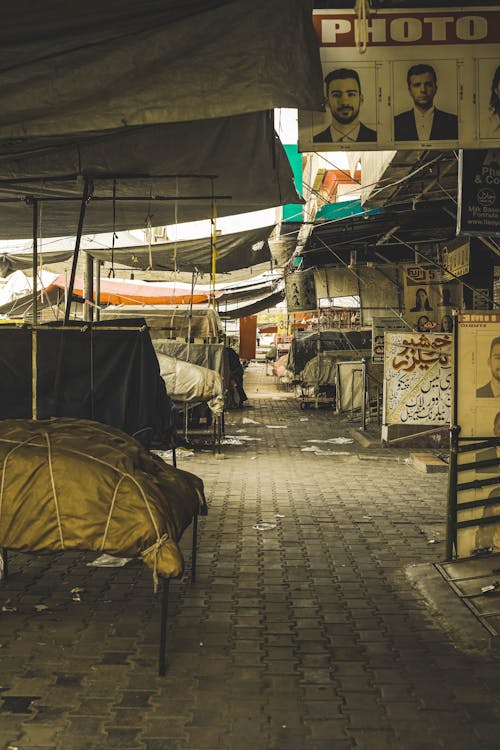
[{"x": 306, "y": 635}]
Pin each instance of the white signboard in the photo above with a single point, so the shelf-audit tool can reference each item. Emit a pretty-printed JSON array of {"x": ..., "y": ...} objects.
[
  {"x": 426, "y": 79},
  {"x": 417, "y": 379}
]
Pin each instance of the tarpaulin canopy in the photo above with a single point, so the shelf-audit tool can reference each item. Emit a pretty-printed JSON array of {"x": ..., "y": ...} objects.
[
  {"x": 12, "y": 262},
  {"x": 122, "y": 291},
  {"x": 234, "y": 251},
  {"x": 158, "y": 175},
  {"x": 231, "y": 311},
  {"x": 103, "y": 64}
]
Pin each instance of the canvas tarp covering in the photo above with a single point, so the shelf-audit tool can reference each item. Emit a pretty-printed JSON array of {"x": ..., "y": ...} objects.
[
  {"x": 186, "y": 382},
  {"x": 376, "y": 286},
  {"x": 68, "y": 68},
  {"x": 175, "y": 322},
  {"x": 228, "y": 311},
  {"x": 133, "y": 293},
  {"x": 320, "y": 370},
  {"x": 306, "y": 345},
  {"x": 211, "y": 356},
  {"x": 77, "y": 484},
  {"x": 161, "y": 174},
  {"x": 111, "y": 376},
  {"x": 234, "y": 251}
]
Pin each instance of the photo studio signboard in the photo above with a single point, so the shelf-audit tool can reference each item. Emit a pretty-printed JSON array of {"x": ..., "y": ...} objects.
[
  {"x": 478, "y": 416},
  {"x": 430, "y": 295},
  {"x": 427, "y": 79},
  {"x": 417, "y": 379}
]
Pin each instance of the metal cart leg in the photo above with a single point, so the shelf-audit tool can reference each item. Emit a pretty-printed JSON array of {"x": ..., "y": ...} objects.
[
  {"x": 162, "y": 662},
  {"x": 194, "y": 548},
  {"x": 4, "y": 564}
]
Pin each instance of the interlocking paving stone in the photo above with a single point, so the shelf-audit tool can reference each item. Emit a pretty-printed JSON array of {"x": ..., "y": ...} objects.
[{"x": 307, "y": 636}]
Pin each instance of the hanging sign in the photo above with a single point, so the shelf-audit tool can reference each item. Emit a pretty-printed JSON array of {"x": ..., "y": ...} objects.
[
  {"x": 479, "y": 192},
  {"x": 427, "y": 79}
]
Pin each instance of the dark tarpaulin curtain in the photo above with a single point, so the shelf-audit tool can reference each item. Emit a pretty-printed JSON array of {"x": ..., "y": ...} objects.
[
  {"x": 234, "y": 251},
  {"x": 249, "y": 166},
  {"x": 111, "y": 377},
  {"x": 74, "y": 67}
]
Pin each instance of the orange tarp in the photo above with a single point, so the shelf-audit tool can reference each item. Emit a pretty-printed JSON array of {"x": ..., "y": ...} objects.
[{"x": 124, "y": 292}]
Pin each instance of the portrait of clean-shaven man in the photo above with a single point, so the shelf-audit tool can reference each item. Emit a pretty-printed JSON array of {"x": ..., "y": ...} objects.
[{"x": 424, "y": 120}]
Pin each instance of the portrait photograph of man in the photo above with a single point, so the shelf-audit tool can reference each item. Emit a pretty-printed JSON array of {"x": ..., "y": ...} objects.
[
  {"x": 344, "y": 99},
  {"x": 423, "y": 120},
  {"x": 492, "y": 453},
  {"x": 491, "y": 389}
]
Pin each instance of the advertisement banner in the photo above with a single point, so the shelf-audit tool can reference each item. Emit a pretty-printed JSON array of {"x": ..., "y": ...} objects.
[
  {"x": 417, "y": 379},
  {"x": 479, "y": 192},
  {"x": 477, "y": 407},
  {"x": 478, "y": 377},
  {"x": 426, "y": 79},
  {"x": 300, "y": 291},
  {"x": 430, "y": 295}
]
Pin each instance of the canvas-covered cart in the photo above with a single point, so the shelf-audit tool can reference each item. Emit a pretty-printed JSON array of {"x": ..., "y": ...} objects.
[{"x": 71, "y": 484}]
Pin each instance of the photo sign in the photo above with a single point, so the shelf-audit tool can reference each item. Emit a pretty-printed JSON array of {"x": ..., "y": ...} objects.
[
  {"x": 417, "y": 379},
  {"x": 478, "y": 377},
  {"x": 478, "y": 416},
  {"x": 430, "y": 295},
  {"x": 427, "y": 79}
]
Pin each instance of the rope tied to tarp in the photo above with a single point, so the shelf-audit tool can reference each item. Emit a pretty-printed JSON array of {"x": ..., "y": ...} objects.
[
  {"x": 51, "y": 473},
  {"x": 154, "y": 550}
]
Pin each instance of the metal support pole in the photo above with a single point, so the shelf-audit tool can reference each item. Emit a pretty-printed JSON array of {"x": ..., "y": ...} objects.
[
  {"x": 34, "y": 267},
  {"x": 88, "y": 289},
  {"x": 98, "y": 266},
  {"x": 364, "y": 396},
  {"x": 162, "y": 662},
  {"x": 83, "y": 206},
  {"x": 451, "y": 505}
]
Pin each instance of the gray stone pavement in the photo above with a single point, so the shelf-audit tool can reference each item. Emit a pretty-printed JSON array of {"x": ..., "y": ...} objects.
[{"x": 308, "y": 635}]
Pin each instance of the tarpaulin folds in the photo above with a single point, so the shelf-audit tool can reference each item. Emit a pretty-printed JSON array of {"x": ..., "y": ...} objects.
[
  {"x": 102, "y": 64},
  {"x": 238, "y": 161},
  {"x": 78, "y": 484}
]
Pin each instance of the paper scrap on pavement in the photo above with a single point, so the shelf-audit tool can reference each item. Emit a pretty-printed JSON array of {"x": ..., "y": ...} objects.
[
  {"x": 109, "y": 561},
  {"x": 264, "y": 526},
  {"x": 336, "y": 441}
]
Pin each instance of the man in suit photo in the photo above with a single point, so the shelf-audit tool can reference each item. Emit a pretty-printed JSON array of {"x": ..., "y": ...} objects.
[
  {"x": 344, "y": 99},
  {"x": 490, "y": 454},
  {"x": 424, "y": 122},
  {"x": 492, "y": 388}
]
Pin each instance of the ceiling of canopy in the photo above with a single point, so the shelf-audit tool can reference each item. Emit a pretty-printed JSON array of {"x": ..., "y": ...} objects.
[
  {"x": 162, "y": 109},
  {"x": 161, "y": 174},
  {"x": 69, "y": 68}
]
